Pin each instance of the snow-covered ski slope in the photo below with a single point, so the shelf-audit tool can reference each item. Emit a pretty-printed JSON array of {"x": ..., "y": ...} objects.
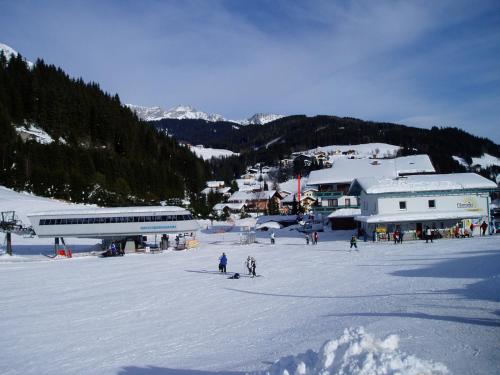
[{"x": 172, "y": 313}]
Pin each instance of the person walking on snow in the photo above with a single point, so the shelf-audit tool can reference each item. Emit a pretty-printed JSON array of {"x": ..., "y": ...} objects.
[
  {"x": 484, "y": 226},
  {"x": 307, "y": 238},
  {"x": 272, "y": 238},
  {"x": 253, "y": 265},
  {"x": 248, "y": 264},
  {"x": 353, "y": 243},
  {"x": 223, "y": 263},
  {"x": 428, "y": 234}
]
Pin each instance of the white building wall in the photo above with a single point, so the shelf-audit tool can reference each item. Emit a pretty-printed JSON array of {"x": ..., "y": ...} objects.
[{"x": 456, "y": 202}]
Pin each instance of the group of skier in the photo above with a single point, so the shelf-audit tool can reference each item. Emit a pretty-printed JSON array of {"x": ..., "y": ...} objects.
[
  {"x": 312, "y": 237},
  {"x": 250, "y": 264}
]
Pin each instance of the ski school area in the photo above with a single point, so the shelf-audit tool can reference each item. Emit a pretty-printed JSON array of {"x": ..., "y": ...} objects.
[{"x": 323, "y": 307}]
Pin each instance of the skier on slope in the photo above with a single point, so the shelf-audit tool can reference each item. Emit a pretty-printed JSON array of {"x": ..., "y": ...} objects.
[
  {"x": 248, "y": 264},
  {"x": 353, "y": 243},
  {"x": 254, "y": 265},
  {"x": 273, "y": 238},
  {"x": 223, "y": 263}
]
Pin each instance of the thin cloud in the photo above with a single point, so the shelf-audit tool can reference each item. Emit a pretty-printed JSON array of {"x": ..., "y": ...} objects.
[{"x": 420, "y": 62}]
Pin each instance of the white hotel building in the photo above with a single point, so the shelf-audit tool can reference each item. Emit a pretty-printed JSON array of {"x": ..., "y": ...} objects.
[{"x": 439, "y": 201}]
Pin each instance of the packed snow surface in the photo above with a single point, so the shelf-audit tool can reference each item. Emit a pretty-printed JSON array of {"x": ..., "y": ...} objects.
[{"x": 424, "y": 308}]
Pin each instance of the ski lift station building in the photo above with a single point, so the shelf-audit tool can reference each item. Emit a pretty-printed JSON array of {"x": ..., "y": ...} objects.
[{"x": 113, "y": 223}]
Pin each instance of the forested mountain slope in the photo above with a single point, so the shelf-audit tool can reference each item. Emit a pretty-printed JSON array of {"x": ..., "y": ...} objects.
[
  {"x": 101, "y": 153},
  {"x": 279, "y": 138}
]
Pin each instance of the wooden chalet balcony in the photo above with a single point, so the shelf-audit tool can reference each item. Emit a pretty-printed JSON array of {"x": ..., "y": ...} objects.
[{"x": 328, "y": 194}]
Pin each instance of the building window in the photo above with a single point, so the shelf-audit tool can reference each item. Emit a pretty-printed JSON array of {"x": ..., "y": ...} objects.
[
  {"x": 347, "y": 201},
  {"x": 432, "y": 203},
  {"x": 333, "y": 202},
  {"x": 402, "y": 205}
]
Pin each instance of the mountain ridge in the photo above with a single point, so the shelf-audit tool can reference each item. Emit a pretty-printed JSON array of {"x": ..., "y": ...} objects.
[{"x": 188, "y": 112}]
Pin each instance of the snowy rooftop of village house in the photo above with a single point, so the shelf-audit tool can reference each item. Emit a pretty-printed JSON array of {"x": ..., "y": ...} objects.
[
  {"x": 243, "y": 196},
  {"x": 224, "y": 190},
  {"x": 414, "y": 164},
  {"x": 215, "y": 184},
  {"x": 345, "y": 212},
  {"x": 231, "y": 206},
  {"x": 292, "y": 185},
  {"x": 346, "y": 170},
  {"x": 436, "y": 182}
]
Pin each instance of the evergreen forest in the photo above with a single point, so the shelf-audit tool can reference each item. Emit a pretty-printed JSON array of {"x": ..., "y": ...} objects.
[{"x": 101, "y": 153}]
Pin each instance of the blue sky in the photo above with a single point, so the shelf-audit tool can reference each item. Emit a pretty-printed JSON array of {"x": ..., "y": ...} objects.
[{"x": 420, "y": 63}]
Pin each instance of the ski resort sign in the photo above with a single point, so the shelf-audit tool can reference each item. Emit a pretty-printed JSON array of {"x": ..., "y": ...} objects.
[{"x": 469, "y": 204}]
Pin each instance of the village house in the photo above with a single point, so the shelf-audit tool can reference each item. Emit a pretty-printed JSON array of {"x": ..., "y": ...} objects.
[
  {"x": 449, "y": 204},
  {"x": 217, "y": 187},
  {"x": 332, "y": 184}
]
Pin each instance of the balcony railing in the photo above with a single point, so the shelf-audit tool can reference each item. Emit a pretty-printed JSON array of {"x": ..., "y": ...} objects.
[
  {"x": 328, "y": 194},
  {"x": 328, "y": 209}
]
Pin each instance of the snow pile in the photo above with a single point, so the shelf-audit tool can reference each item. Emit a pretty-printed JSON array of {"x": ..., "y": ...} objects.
[
  {"x": 209, "y": 153},
  {"x": 357, "y": 353}
]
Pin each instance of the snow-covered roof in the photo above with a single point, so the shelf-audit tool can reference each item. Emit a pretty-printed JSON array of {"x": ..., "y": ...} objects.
[
  {"x": 231, "y": 206},
  {"x": 292, "y": 185},
  {"x": 423, "y": 216},
  {"x": 216, "y": 190},
  {"x": 112, "y": 210},
  {"x": 250, "y": 195},
  {"x": 414, "y": 164},
  {"x": 346, "y": 170},
  {"x": 268, "y": 224},
  {"x": 345, "y": 212},
  {"x": 436, "y": 182},
  {"x": 215, "y": 184}
]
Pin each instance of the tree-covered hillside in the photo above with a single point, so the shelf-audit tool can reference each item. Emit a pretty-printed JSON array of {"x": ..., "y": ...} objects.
[
  {"x": 276, "y": 140},
  {"x": 102, "y": 152}
]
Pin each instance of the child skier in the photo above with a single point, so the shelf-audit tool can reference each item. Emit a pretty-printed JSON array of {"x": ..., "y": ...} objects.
[{"x": 353, "y": 243}]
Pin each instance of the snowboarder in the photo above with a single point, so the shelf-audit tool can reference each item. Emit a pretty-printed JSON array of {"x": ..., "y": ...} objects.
[
  {"x": 254, "y": 265},
  {"x": 223, "y": 263},
  {"x": 484, "y": 226},
  {"x": 248, "y": 264},
  {"x": 272, "y": 238},
  {"x": 353, "y": 243}
]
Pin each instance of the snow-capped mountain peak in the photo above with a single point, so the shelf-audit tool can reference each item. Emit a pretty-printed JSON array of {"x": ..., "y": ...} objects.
[
  {"x": 261, "y": 119},
  {"x": 183, "y": 112},
  {"x": 180, "y": 112},
  {"x": 10, "y": 52}
]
